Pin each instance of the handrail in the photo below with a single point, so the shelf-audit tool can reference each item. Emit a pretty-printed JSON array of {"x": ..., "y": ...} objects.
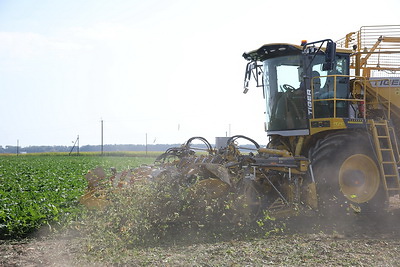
[
  {"x": 376, "y": 50},
  {"x": 367, "y": 86},
  {"x": 350, "y": 98}
]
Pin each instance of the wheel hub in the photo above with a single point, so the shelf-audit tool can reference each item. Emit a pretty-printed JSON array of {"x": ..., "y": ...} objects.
[
  {"x": 359, "y": 178},
  {"x": 353, "y": 178}
]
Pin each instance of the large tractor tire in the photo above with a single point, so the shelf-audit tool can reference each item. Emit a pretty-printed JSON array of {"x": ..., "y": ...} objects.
[{"x": 347, "y": 175}]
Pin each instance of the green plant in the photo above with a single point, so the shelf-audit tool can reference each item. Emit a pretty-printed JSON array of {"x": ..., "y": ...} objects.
[{"x": 38, "y": 190}]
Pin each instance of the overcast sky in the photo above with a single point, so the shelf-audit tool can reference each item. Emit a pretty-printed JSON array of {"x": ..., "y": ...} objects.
[{"x": 171, "y": 69}]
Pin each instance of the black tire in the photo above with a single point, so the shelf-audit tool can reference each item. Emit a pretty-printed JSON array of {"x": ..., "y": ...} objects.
[{"x": 347, "y": 175}]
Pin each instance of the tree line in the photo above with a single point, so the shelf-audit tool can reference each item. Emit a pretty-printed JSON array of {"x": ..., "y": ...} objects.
[{"x": 86, "y": 148}]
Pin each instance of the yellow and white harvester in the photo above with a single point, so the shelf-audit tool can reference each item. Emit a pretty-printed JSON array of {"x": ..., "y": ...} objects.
[{"x": 332, "y": 118}]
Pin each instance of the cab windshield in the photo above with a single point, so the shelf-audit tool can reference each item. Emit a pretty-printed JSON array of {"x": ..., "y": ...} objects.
[{"x": 284, "y": 94}]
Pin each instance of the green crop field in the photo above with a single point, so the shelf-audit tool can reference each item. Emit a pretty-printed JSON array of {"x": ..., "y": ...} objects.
[{"x": 44, "y": 190}]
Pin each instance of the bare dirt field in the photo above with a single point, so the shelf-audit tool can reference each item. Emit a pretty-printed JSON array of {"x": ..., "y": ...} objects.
[{"x": 360, "y": 243}]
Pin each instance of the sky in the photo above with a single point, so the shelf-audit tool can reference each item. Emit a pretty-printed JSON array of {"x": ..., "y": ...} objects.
[{"x": 162, "y": 69}]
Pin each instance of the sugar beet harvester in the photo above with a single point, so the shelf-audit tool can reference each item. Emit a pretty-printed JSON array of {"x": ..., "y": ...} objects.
[{"x": 332, "y": 117}]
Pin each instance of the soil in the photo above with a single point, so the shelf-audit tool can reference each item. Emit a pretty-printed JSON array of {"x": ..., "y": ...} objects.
[{"x": 360, "y": 243}]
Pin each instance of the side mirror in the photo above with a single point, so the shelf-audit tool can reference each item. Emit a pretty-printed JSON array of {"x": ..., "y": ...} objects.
[
  {"x": 330, "y": 55},
  {"x": 251, "y": 66}
]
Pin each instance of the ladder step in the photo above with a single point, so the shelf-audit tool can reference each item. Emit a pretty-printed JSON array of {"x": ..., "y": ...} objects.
[{"x": 383, "y": 135}]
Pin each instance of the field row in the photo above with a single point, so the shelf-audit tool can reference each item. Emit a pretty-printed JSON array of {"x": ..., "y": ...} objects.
[{"x": 38, "y": 190}]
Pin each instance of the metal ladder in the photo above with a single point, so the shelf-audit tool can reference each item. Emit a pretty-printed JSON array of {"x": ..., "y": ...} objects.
[{"x": 384, "y": 140}]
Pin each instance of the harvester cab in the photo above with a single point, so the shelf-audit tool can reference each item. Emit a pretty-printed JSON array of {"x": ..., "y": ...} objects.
[{"x": 292, "y": 76}]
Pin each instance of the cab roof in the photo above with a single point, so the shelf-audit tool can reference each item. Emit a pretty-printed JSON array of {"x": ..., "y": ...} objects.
[{"x": 280, "y": 49}]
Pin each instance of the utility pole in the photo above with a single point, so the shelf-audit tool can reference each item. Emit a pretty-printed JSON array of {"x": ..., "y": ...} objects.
[
  {"x": 75, "y": 144},
  {"x": 146, "y": 144},
  {"x": 102, "y": 137},
  {"x": 17, "y": 146}
]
